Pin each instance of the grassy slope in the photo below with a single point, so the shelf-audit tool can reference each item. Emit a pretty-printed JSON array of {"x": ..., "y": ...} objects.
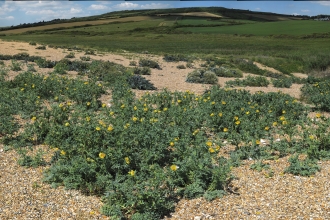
[{"x": 268, "y": 28}]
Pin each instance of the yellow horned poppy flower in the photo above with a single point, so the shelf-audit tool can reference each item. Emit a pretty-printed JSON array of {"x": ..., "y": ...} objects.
[
  {"x": 209, "y": 143},
  {"x": 67, "y": 124},
  {"x": 223, "y": 102},
  {"x": 63, "y": 152},
  {"x": 132, "y": 172},
  {"x": 135, "y": 108},
  {"x": 275, "y": 123},
  {"x": 238, "y": 122},
  {"x": 220, "y": 114},
  {"x": 266, "y": 128},
  {"x": 258, "y": 142},
  {"x": 212, "y": 114},
  {"x": 211, "y": 150},
  {"x": 104, "y": 105},
  {"x": 134, "y": 119},
  {"x": 110, "y": 128},
  {"x": 225, "y": 129},
  {"x": 171, "y": 144},
  {"x": 318, "y": 115},
  {"x": 88, "y": 103},
  {"x": 97, "y": 128},
  {"x": 174, "y": 167},
  {"x": 102, "y": 155},
  {"x": 127, "y": 160},
  {"x": 34, "y": 118}
]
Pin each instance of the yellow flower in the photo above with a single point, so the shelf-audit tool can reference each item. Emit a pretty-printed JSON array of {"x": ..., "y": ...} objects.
[
  {"x": 236, "y": 118},
  {"x": 196, "y": 99},
  {"x": 282, "y": 118},
  {"x": 110, "y": 128},
  {"x": 63, "y": 152},
  {"x": 122, "y": 106},
  {"x": 32, "y": 86},
  {"x": 164, "y": 109},
  {"x": 225, "y": 129},
  {"x": 99, "y": 84},
  {"x": 85, "y": 83},
  {"x": 283, "y": 112},
  {"x": 258, "y": 142},
  {"x": 318, "y": 115},
  {"x": 212, "y": 114},
  {"x": 211, "y": 150},
  {"x": 104, "y": 105},
  {"x": 145, "y": 109},
  {"x": 209, "y": 143},
  {"x": 88, "y": 103},
  {"x": 171, "y": 144},
  {"x": 220, "y": 114},
  {"x": 132, "y": 172},
  {"x": 213, "y": 103},
  {"x": 135, "y": 108},
  {"x": 270, "y": 111},
  {"x": 67, "y": 124},
  {"x": 195, "y": 132},
  {"x": 257, "y": 111},
  {"x": 275, "y": 123},
  {"x": 223, "y": 102},
  {"x": 127, "y": 160},
  {"x": 111, "y": 113},
  {"x": 91, "y": 212},
  {"x": 97, "y": 128},
  {"x": 217, "y": 147},
  {"x": 266, "y": 128},
  {"x": 179, "y": 101},
  {"x": 34, "y": 118},
  {"x": 60, "y": 105},
  {"x": 142, "y": 119},
  {"x": 311, "y": 137},
  {"x": 88, "y": 118},
  {"x": 284, "y": 122},
  {"x": 247, "y": 112},
  {"x": 176, "y": 139},
  {"x": 102, "y": 155},
  {"x": 174, "y": 167},
  {"x": 134, "y": 119},
  {"x": 237, "y": 122},
  {"x": 22, "y": 89}
]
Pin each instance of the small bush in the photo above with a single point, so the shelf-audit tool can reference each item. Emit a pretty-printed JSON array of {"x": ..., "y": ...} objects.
[
  {"x": 139, "y": 82},
  {"x": 149, "y": 63},
  {"x": 61, "y": 68},
  {"x": 202, "y": 76},
  {"x": 132, "y": 63},
  {"x": 85, "y": 58},
  {"x": 181, "y": 67},
  {"x": 305, "y": 167},
  {"x": 42, "y": 47},
  {"x": 33, "y": 43},
  {"x": 21, "y": 56},
  {"x": 282, "y": 83},
  {"x": 31, "y": 68},
  {"x": 2, "y": 63},
  {"x": 70, "y": 55},
  {"x": 142, "y": 71}
]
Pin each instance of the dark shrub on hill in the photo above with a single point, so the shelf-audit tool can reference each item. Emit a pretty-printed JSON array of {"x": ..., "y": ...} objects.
[{"x": 139, "y": 82}]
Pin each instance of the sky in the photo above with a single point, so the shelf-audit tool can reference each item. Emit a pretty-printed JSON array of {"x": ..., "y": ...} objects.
[{"x": 19, "y": 12}]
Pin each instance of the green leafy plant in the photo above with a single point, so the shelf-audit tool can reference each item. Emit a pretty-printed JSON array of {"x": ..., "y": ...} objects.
[
  {"x": 85, "y": 58},
  {"x": 149, "y": 63},
  {"x": 305, "y": 167},
  {"x": 142, "y": 71},
  {"x": 249, "y": 81},
  {"x": 70, "y": 55},
  {"x": 181, "y": 66},
  {"x": 15, "y": 66},
  {"x": 42, "y": 47},
  {"x": 282, "y": 83}
]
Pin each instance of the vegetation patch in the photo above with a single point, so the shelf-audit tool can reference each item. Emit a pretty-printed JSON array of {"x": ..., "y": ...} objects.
[
  {"x": 256, "y": 81},
  {"x": 149, "y": 63},
  {"x": 202, "y": 76}
]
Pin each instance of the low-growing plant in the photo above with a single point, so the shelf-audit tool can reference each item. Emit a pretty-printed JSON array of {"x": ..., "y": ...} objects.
[
  {"x": 142, "y": 71},
  {"x": 70, "y": 55},
  {"x": 139, "y": 82},
  {"x": 90, "y": 52},
  {"x": 190, "y": 65},
  {"x": 181, "y": 66},
  {"x": 132, "y": 63},
  {"x": 33, "y": 43},
  {"x": 42, "y": 47},
  {"x": 202, "y": 76},
  {"x": 85, "y": 58},
  {"x": 43, "y": 63},
  {"x": 149, "y": 63},
  {"x": 31, "y": 161},
  {"x": 175, "y": 58},
  {"x": 31, "y": 68},
  {"x": 317, "y": 93},
  {"x": 61, "y": 68},
  {"x": 259, "y": 166},
  {"x": 306, "y": 167},
  {"x": 256, "y": 81},
  {"x": 225, "y": 71},
  {"x": 248, "y": 66},
  {"x": 15, "y": 65},
  {"x": 284, "y": 82}
]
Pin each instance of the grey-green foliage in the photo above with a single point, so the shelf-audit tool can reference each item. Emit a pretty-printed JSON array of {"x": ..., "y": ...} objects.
[
  {"x": 225, "y": 71},
  {"x": 202, "y": 76}
]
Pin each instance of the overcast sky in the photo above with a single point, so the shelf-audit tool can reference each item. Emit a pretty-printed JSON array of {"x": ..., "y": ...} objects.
[{"x": 16, "y": 12}]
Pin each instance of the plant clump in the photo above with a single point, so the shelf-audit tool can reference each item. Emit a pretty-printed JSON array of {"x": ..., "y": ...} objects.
[{"x": 202, "y": 76}]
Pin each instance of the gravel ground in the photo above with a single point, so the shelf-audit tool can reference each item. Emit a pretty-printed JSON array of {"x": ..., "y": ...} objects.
[{"x": 252, "y": 195}]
